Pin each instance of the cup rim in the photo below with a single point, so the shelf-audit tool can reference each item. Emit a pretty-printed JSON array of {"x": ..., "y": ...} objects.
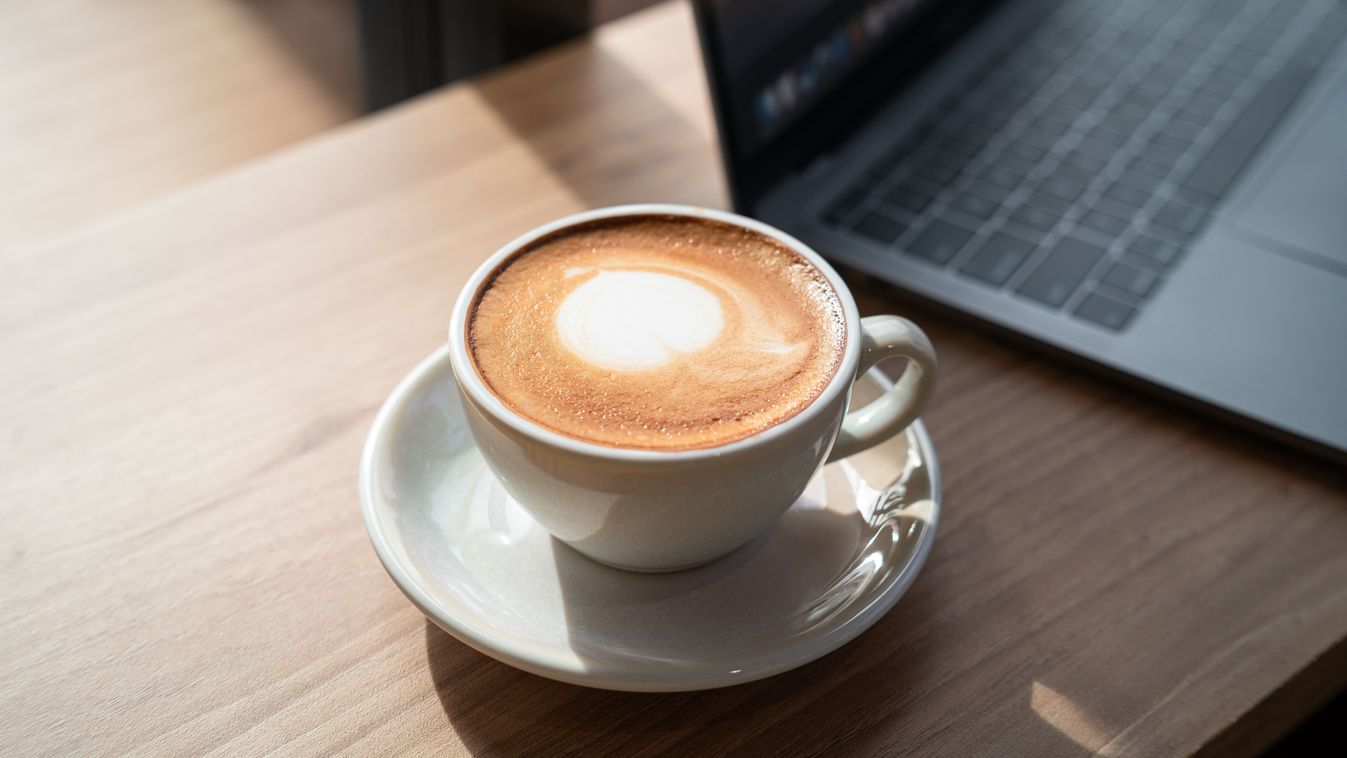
[{"x": 475, "y": 388}]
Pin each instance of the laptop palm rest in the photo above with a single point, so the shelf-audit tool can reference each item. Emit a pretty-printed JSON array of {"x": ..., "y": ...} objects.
[{"x": 1300, "y": 203}]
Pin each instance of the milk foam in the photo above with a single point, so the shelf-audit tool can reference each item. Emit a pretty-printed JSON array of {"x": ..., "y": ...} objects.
[
  {"x": 634, "y": 320},
  {"x": 657, "y": 332}
]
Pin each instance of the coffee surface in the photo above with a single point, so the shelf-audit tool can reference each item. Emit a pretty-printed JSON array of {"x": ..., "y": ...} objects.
[{"x": 656, "y": 332}]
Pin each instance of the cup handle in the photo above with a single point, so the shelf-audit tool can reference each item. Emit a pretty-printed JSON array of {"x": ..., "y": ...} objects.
[{"x": 885, "y": 337}]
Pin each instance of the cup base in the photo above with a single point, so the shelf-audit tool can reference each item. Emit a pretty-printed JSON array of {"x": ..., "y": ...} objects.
[{"x": 655, "y": 570}]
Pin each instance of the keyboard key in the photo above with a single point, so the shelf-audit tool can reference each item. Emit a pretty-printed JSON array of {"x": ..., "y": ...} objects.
[
  {"x": 987, "y": 191},
  {"x": 1103, "y": 223},
  {"x": 1154, "y": 89},
  {"x": 1061, "y": 272},
  {"x": 1128, "y": 195},
  {"x": 868, "y": 182},
  {"x": 1129, "y": 42},
  {"x": 1171, "y": 140},
  {"x": 1168, "y": 71},
  {"x": 1139, "y": 181},
  {"x": 1239, "y": 62},
  {"x": 1011, "y": 91},
  {"x": 912, "y": 196},
  {"x": 1050, "y": 202},
  {"x": 991, "y": 115},
  {"x": 1050, "y": 123},
  {"x": 1062, "y": 188},
  {"x": 1086, "y": 162},
  {"x": 1105, "y": 311},
  {"x": 1182, "y": 218},
  {"x": 1220, "y": 83},
  {"x": 1147, "y": 166},
  {"x": 945, "y": 158},
  {"x": 1182, "y": 55},
  {"x": 997, "y": 258},
  {"x": 1144, "y": 97},
  {"x": 1079, "y": 94},
  {"x": 1204, "y": 35},
  {"x": 960, "y": 145},
  {"x": 1183, "y": 130},
  {"x": 871, "y": 179},
  {"x": 1161, "y": 154},
  {"x": 1062, "y": 112},
  {"x": 1191, "y": 117},
  {"x": 1067, "y": 172},
  {"x": 1024, "y": 150},
  {"x": 940, "y": 241},
  {"x": 936, "y": 172},
  {"x": 1096, "y": 76},
  {"x": 1148, "y": 250},
  {"x": 1115, "y": 208},
  {"x": 884, "y": 166},
  {"x": 1110, "y": 133},
  {"x": 1030, "y": 66},
  {"x": 1226, "y": 159},
  {"x": 1130, "y": 279},
  {"x": 1015, "y": 164},
  {"x": 974, "y": 132},
  {"x": 1037, "y": 138},
  {"x": 1001, "y": 177},
  {"x": 1036, "y": 218},
  {"x": 976, "y": 206},
  {"x": 1127, "y": 112},
  {"x": 879, "y": 228},
  {"x": 849, "y": 201},
  {"x": 1095, "y": 148},
  {"x": 1205, "y": 104}
]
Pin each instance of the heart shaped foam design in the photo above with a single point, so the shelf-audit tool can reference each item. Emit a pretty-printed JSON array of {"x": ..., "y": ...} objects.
[{"x": 635, "y": 320}]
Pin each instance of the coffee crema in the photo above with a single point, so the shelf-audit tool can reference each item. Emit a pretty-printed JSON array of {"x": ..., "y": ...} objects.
[{"x": 656, "y": 332}]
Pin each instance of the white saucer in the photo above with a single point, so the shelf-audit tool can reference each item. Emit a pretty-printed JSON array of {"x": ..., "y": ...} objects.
[{"x": 475, "y": 563}]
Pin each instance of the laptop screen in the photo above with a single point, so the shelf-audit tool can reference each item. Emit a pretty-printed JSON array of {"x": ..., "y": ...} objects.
[
  {"x": 780, "y": 58},
  {"x": 788, "y": 74}
]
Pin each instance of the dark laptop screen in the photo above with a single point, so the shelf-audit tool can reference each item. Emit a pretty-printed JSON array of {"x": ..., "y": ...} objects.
[
  {"x": 781, "y": 57},
  {"x": 788, "y": 75}
]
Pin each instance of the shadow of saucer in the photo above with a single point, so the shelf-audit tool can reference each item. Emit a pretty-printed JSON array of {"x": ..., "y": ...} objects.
[{"x": 499, "y": 710}]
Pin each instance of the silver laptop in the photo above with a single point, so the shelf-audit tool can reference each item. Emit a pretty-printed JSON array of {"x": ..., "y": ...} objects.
[{"x": 1156, "y": 186}]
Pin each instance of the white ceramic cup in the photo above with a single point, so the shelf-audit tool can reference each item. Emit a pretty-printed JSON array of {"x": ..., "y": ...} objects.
[{"x": 654, "y": 510}]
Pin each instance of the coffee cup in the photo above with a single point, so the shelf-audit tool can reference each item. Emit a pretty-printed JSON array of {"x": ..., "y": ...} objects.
[{"x": 657, "y": 384}]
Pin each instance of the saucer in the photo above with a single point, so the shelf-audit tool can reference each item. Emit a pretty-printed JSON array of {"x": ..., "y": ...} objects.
[{"x": 479, "y": 567}]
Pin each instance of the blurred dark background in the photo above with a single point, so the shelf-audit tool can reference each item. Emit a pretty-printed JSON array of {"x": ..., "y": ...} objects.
[{"x": 411, "y": 46}]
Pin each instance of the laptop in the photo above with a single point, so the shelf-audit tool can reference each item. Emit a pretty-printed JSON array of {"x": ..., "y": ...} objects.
[{"x": 1158, "y": 187}]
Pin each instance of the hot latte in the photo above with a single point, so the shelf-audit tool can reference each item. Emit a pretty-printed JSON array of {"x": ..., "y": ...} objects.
[{"x": 656, "y": 332}]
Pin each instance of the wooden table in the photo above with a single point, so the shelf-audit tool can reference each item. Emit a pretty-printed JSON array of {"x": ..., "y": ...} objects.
[
  {"x": 184, "y": 392},
  {"x": 109, "y": 104}
]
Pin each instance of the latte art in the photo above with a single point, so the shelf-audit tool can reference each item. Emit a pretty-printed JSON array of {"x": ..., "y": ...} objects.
[
  {"x": 656, "y": 332},
  {"x": 632, "y": 319}
]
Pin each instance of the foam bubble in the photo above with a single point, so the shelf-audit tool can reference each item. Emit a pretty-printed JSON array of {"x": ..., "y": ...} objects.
[{"x": 637, "y": 320}]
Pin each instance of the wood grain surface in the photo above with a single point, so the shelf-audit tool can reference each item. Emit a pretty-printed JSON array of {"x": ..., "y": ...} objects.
[
  {"x": 185, "y": 391},
  {"x": 110, "y": 104}
]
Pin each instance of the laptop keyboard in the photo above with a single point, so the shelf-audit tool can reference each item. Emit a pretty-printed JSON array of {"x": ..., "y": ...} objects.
[{"x": 1077, "y": 165}]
